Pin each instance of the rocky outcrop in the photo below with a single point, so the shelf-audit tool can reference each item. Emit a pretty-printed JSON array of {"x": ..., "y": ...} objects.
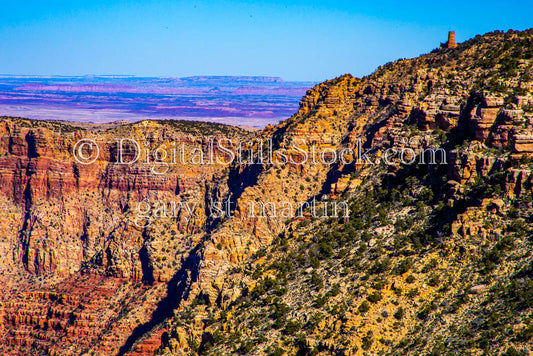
[
  {"x": 80, "y": 313},
  {"x": 62, "y": 218}
]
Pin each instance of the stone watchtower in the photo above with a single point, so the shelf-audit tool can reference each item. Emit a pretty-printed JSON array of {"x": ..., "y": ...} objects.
[{"x": 451, "y": 41}]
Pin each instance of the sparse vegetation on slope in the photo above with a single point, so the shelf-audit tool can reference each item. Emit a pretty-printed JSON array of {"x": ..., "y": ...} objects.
[{"x": 434, "y": 259}]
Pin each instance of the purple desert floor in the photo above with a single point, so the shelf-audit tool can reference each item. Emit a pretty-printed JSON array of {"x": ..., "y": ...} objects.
[{"x": 244, "y": 101}]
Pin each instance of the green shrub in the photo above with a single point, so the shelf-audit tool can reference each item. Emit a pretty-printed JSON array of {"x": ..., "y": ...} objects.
[
  {"x": 292, "y": 327},
  {"x": 316, "y": 281},
  {"x": 366, "y": 341},
  {"x": 375, "y": 297},
  {"x": 399, "y": 313},
  {"x": 364, "y": 307}
]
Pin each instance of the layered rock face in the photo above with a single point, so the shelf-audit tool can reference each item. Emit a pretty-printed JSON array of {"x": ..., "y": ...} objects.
[
  {"x": 64, "y": 221},
  {"x": 68, "y": 224}
]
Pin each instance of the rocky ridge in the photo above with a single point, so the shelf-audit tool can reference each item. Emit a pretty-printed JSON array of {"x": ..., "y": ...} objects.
[
  {"x": 424, "y": 252},
  {"x": 426, "y": 249}
]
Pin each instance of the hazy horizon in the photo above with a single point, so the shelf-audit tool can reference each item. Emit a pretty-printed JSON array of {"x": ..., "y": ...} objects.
[{"x": 246, "y": 101}]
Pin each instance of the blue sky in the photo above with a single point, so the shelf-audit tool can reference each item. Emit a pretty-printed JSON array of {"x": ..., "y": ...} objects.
[{"x": 297, "y": 40}]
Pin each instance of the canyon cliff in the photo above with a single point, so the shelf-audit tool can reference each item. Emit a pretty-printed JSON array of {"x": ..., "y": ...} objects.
[{"x": 432, "y": 256}]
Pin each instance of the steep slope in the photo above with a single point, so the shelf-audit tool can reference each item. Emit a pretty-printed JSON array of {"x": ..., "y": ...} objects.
[{"x": 435, "y": 257}]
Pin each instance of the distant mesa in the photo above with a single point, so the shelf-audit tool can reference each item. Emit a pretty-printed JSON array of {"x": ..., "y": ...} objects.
[
  {"x": 451, "y": 41},
  {"x": 256, "y": 79}
]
